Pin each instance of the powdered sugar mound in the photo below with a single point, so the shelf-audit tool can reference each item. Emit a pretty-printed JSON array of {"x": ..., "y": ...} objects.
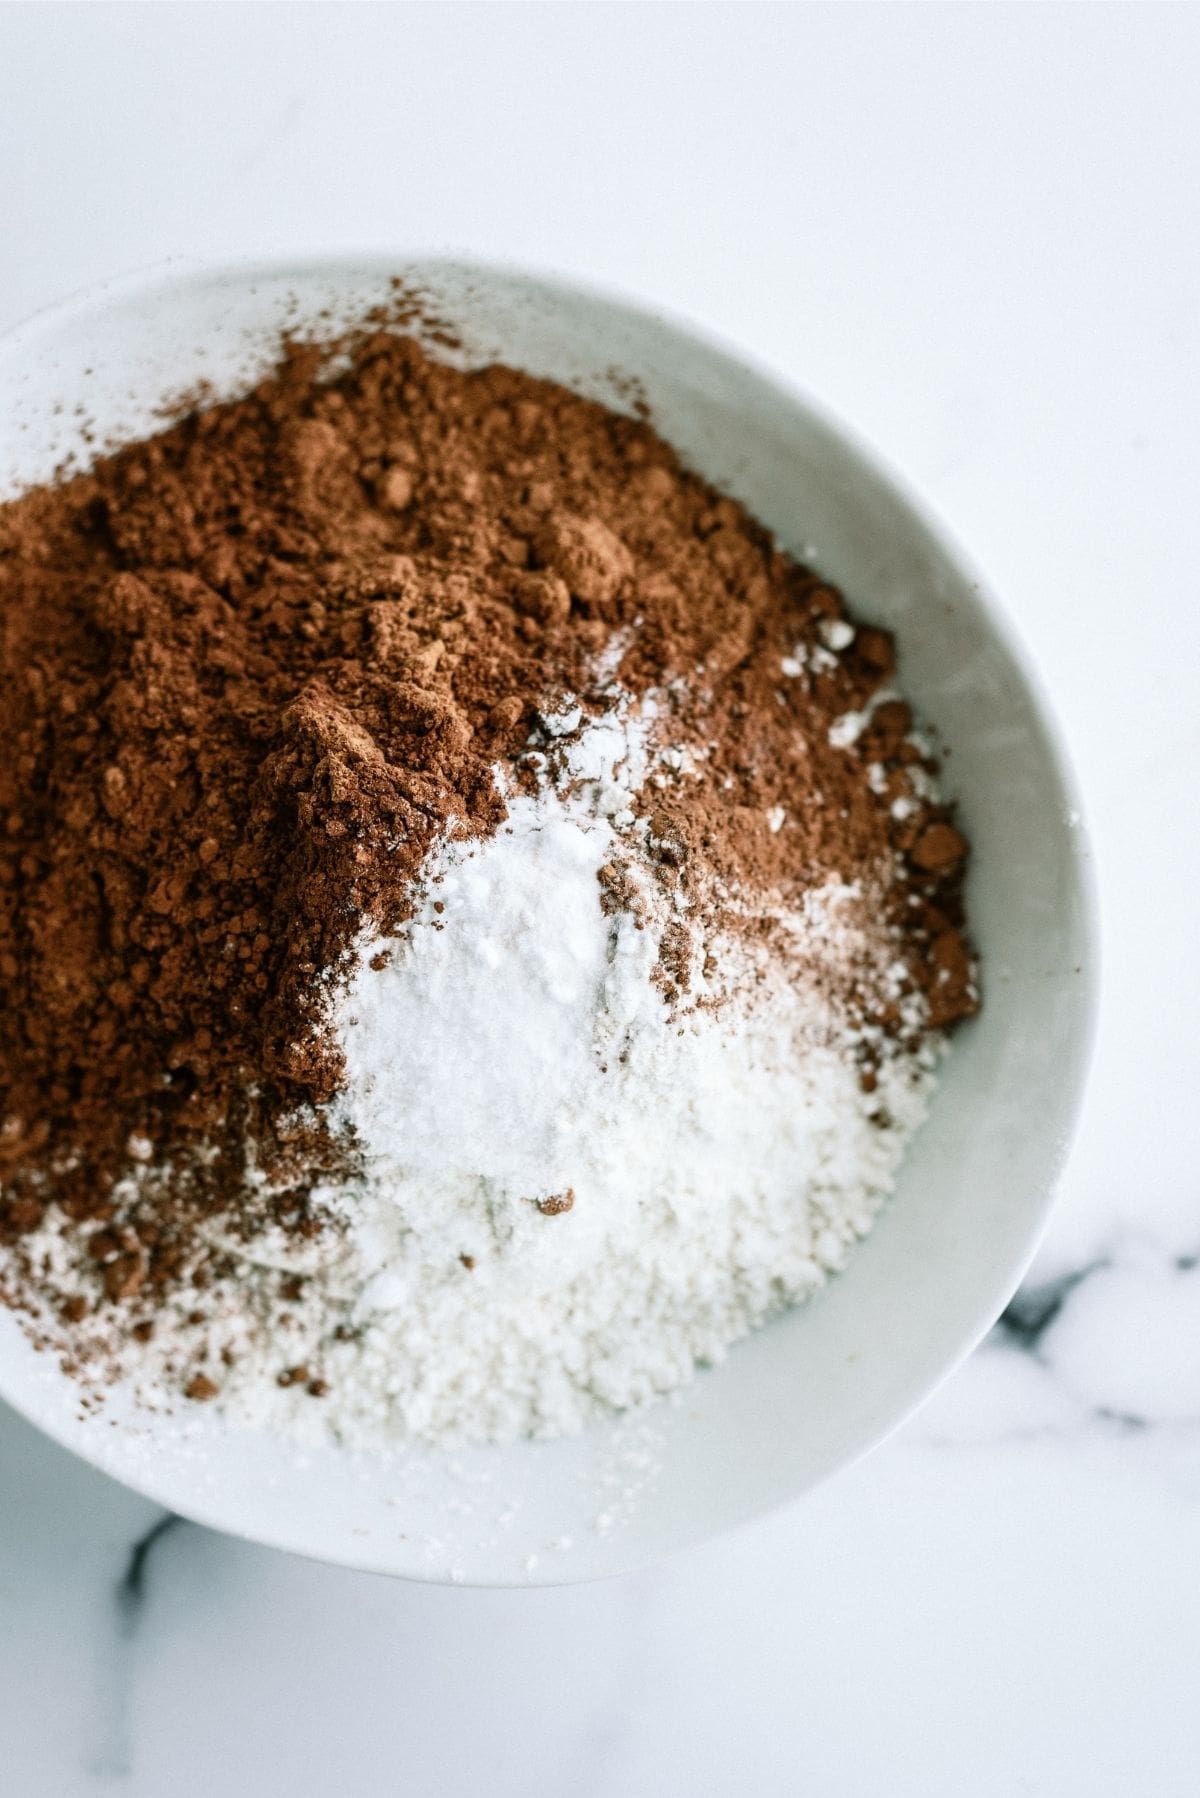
[
  {"x": 716, "y": 1172},
  {"x": 482, "y": 1025},
  {"x": 573, "y": 1196}
]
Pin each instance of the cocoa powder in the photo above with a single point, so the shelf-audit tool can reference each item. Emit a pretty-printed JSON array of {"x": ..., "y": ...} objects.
[{"x": 255, "y": 666}]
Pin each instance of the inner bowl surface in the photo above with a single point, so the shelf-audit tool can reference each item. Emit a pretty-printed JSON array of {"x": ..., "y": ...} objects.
[{"x": 823, "y": 1384}]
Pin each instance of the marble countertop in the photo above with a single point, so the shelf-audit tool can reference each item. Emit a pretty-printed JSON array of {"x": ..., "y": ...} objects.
[{"x": 974, "y": 233}]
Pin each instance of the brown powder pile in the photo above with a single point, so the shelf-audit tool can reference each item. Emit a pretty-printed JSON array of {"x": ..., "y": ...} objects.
[{"x": 256, "y": 666}]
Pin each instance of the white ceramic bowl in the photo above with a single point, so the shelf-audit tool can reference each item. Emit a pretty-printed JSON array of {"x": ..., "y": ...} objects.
[{"x": 818, "y": 1387}]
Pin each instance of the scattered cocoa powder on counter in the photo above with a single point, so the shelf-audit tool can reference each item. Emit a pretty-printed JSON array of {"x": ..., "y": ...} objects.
[
  {"x": 258, "y": 665},
  {"x": 555, "y": 1203}
]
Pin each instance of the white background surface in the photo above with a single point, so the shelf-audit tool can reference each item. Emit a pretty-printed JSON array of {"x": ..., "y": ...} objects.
[{"x": 974, "y": 232}]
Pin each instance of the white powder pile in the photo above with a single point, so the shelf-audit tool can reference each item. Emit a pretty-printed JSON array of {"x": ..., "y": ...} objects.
[
  {"x": 572, "y": 1194},
  {"x": 573, "y": 1197}
]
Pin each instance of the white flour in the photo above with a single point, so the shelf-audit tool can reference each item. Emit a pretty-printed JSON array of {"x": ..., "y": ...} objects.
[{"x": 571, "y": 1197}]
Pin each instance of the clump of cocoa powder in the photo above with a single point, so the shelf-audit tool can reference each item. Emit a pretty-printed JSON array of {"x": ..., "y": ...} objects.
[{"x": 257, "y": 665}]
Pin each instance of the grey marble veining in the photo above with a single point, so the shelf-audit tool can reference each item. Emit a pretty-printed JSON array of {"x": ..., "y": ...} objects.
[
  {"x": 171, "y": 1651},
  {"x": 949, "y": 1570}
]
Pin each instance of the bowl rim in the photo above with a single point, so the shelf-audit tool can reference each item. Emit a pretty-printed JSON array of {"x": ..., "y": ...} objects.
[{"x": 164, "y": 275}]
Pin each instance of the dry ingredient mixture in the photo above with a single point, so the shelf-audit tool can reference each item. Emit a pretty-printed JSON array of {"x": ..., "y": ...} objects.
[{"x": 477, "y": 923}]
